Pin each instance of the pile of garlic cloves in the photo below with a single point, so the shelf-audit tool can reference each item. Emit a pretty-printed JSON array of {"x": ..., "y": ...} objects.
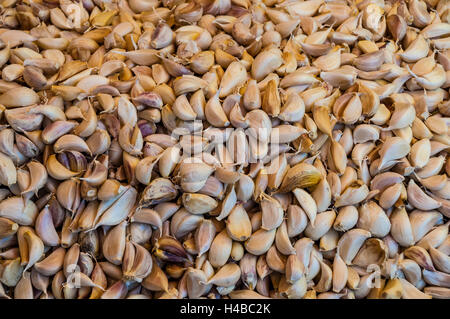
[{"x": 171, "y": 149}]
